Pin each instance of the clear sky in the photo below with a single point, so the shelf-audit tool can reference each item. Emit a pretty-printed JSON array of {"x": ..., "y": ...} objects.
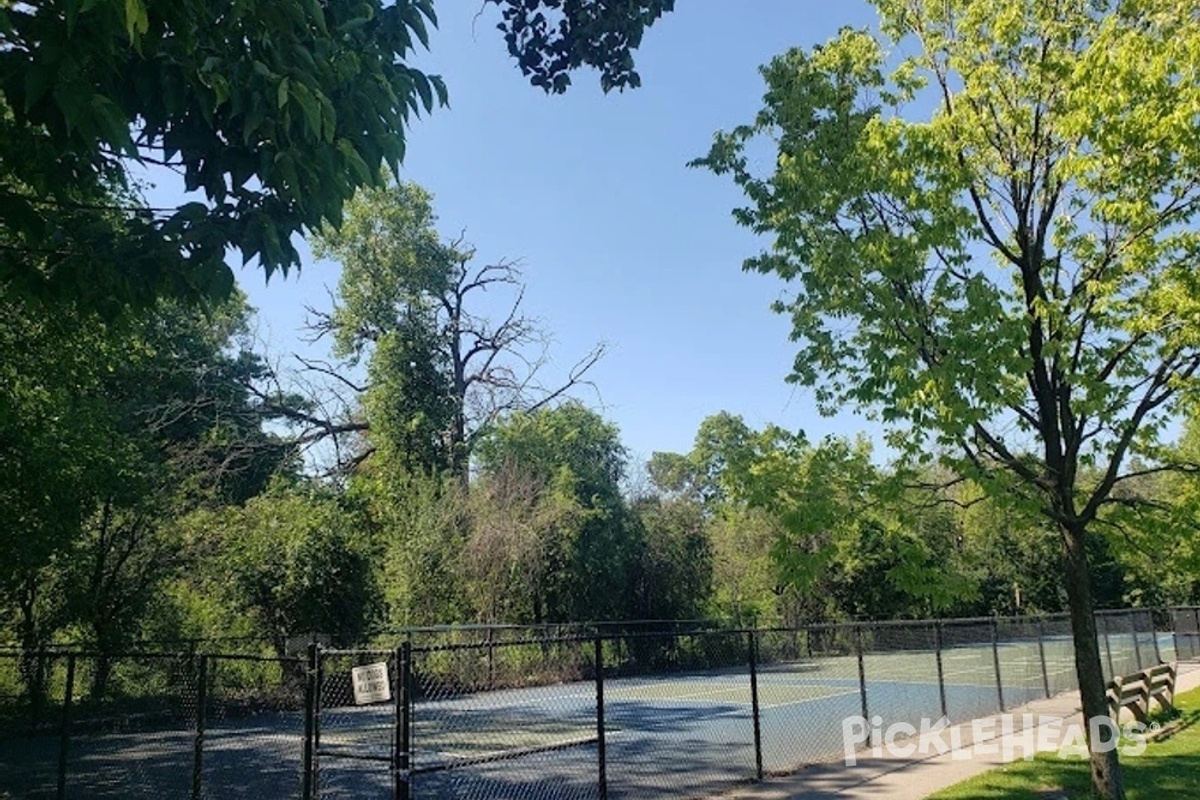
[{"x": 619, "y": 241}]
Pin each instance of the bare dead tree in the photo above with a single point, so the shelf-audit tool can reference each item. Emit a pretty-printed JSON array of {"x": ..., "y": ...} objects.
[
  {"x": 493, "y": 371},
  {"x": 496, "y": 365}
]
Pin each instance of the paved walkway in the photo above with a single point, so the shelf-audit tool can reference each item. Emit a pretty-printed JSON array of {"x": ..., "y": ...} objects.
[{"x": 918, "y": 776}]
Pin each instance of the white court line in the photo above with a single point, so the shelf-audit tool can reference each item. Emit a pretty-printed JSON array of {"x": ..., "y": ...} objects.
[{"x": 762, "y": 707}]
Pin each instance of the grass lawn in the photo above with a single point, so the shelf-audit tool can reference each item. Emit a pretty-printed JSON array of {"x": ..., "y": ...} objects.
[{"x": 1170, "y": 768}]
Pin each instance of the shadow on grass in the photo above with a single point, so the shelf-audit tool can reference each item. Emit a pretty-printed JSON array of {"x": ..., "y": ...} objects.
[{"x": 1169, "y": 768}]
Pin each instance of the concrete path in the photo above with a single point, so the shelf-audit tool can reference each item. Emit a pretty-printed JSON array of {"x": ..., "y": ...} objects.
[{"x": 970, "y": 749}]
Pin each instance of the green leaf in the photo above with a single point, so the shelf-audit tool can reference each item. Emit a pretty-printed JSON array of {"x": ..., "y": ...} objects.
[
  {"x": 73, "y": 99},
  {"x": 309, "y": 107},
  {"x": 422, "y": 85},
  {"x": 37, "y": 81},
  {"x": 281, "y": 94},
  {"x": 361, "y": 171},
  {"x": 137, "y": 20},
  {"x": 113, "y": 123}
]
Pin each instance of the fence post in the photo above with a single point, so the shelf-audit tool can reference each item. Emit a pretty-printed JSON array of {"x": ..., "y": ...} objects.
[
  {"x": 307, "y": 787},
  {"x": 401, "y": 783},
  {"x": 318, "y": 699},
  {"x": 40, "y": 689},
  {"x": 1112, "y": 673},
  {"x": 1041, "y": 629},
  {"x": 198, "y": 748},
  {"x": 1175, "y": 631},
  {"x": 1154, "y": 637},
  {"x": 937, "y": 649},
  {"x": 601, "y": 752},
  {"x": 996, "y": 661},
  {"x": 754, "y": 709},
  {"x": 1137, "y": 647},
  {"x": 64, "y": 734},
  {"x": 862, "y": 684},
  {"x": 1192, "y": 640},
  {"x": 491, "y": 656}
]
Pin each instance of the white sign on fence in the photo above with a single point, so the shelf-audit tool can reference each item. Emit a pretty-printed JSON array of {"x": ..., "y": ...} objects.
[{"x": 371, "y": 684}]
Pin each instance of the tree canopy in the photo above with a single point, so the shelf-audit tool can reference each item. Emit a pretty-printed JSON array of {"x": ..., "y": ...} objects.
[
  {"x": 991, "y": 243},
  {"x": 272, "y": 113}
]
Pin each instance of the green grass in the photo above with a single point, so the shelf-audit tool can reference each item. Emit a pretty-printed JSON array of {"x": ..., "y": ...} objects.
[{"x": 1169, "y": 768}]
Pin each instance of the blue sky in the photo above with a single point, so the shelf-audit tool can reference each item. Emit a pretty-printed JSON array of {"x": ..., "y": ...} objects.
[{"x": 619, "y": 241}]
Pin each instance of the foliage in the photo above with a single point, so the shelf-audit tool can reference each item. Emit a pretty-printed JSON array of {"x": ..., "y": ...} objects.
[
  {"x": 564, "y": 465},
  {"x": 296, "y": 559},
  {"x": 549, "y": 38},
  {"x": 420, "y": 526},
  {"x": 439, "y": 372},
  {"x": 274, "y": 113},
  {"x": 673, "y": 574},
  {"x": 837, "y": 528},
  {"x": 1011, "y": 276},
  {"x": 111, "y": 429}
]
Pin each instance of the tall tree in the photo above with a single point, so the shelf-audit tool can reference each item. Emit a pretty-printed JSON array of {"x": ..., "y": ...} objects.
[
  {"x": 562, "y": 467},
  {"x": 994, "y": 243},
  {"x": 273, "y": 112},
  {"x": 439, "y": 371},
  {"x": 112, "y": 428}
]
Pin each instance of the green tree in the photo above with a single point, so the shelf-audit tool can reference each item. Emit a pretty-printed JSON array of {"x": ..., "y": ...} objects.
[
  {"x": 522, "y": 559},
  {"x": 672, "y": 574},
  {"x": 439, "y": 373},
  {"x": 421, "y": 526},
  {"x": 273, "y": 112},
  {"x": 566, "y": 463},
  {"x": 294, "y": 557},
  {"x": 993, "y": 243},
  {"x": 113, "y": 427}
]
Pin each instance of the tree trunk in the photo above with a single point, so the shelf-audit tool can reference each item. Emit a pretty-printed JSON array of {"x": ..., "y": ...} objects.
[
  {"x": 32, "y": 666},
  {"x": 1107, "y": 781}
]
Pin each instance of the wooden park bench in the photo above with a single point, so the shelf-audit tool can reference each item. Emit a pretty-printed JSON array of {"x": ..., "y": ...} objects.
[{"x": 1139, "y": 689}]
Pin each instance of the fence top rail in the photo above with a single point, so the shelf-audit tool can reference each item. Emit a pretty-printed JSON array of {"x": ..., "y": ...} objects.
[
  {"x": 549, "y": 633},
  {"x": 178, "y": 655},
  {"x": 149, "y": 645},
  {"x": 558, "y": 626},
  {"x": 632, "y": 627}
]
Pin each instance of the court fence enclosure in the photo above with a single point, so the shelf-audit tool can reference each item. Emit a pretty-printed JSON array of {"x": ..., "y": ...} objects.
[{"x": 609, "y": 710}]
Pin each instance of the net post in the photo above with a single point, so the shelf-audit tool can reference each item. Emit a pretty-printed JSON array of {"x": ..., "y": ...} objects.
[
  {"x": 401, "y": 756},
  {"x": 1137, "y": 647},
  {"x": 862, "y": 684},
  {"x": 307, "y": 788},
  {"x": 996, "y": 661},
  {"x": 1107, "y": 647},
  {"x": 601, "y": 751},
  {"x": 64, "y": 732},
  {"x": 198, "y": 745},
  {"x": 1041, "y": 629},
  {"x": 752, "y": 653},
  {"x": 937, "y": 649}
]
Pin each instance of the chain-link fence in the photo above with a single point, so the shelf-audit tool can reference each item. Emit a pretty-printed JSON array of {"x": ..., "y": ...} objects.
[
  {"x": 626, "y": 710},
  {"x": 147, "y": 725}
]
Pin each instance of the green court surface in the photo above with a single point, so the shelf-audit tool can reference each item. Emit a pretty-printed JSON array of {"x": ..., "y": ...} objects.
[{"x": 707, "y": 691}]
